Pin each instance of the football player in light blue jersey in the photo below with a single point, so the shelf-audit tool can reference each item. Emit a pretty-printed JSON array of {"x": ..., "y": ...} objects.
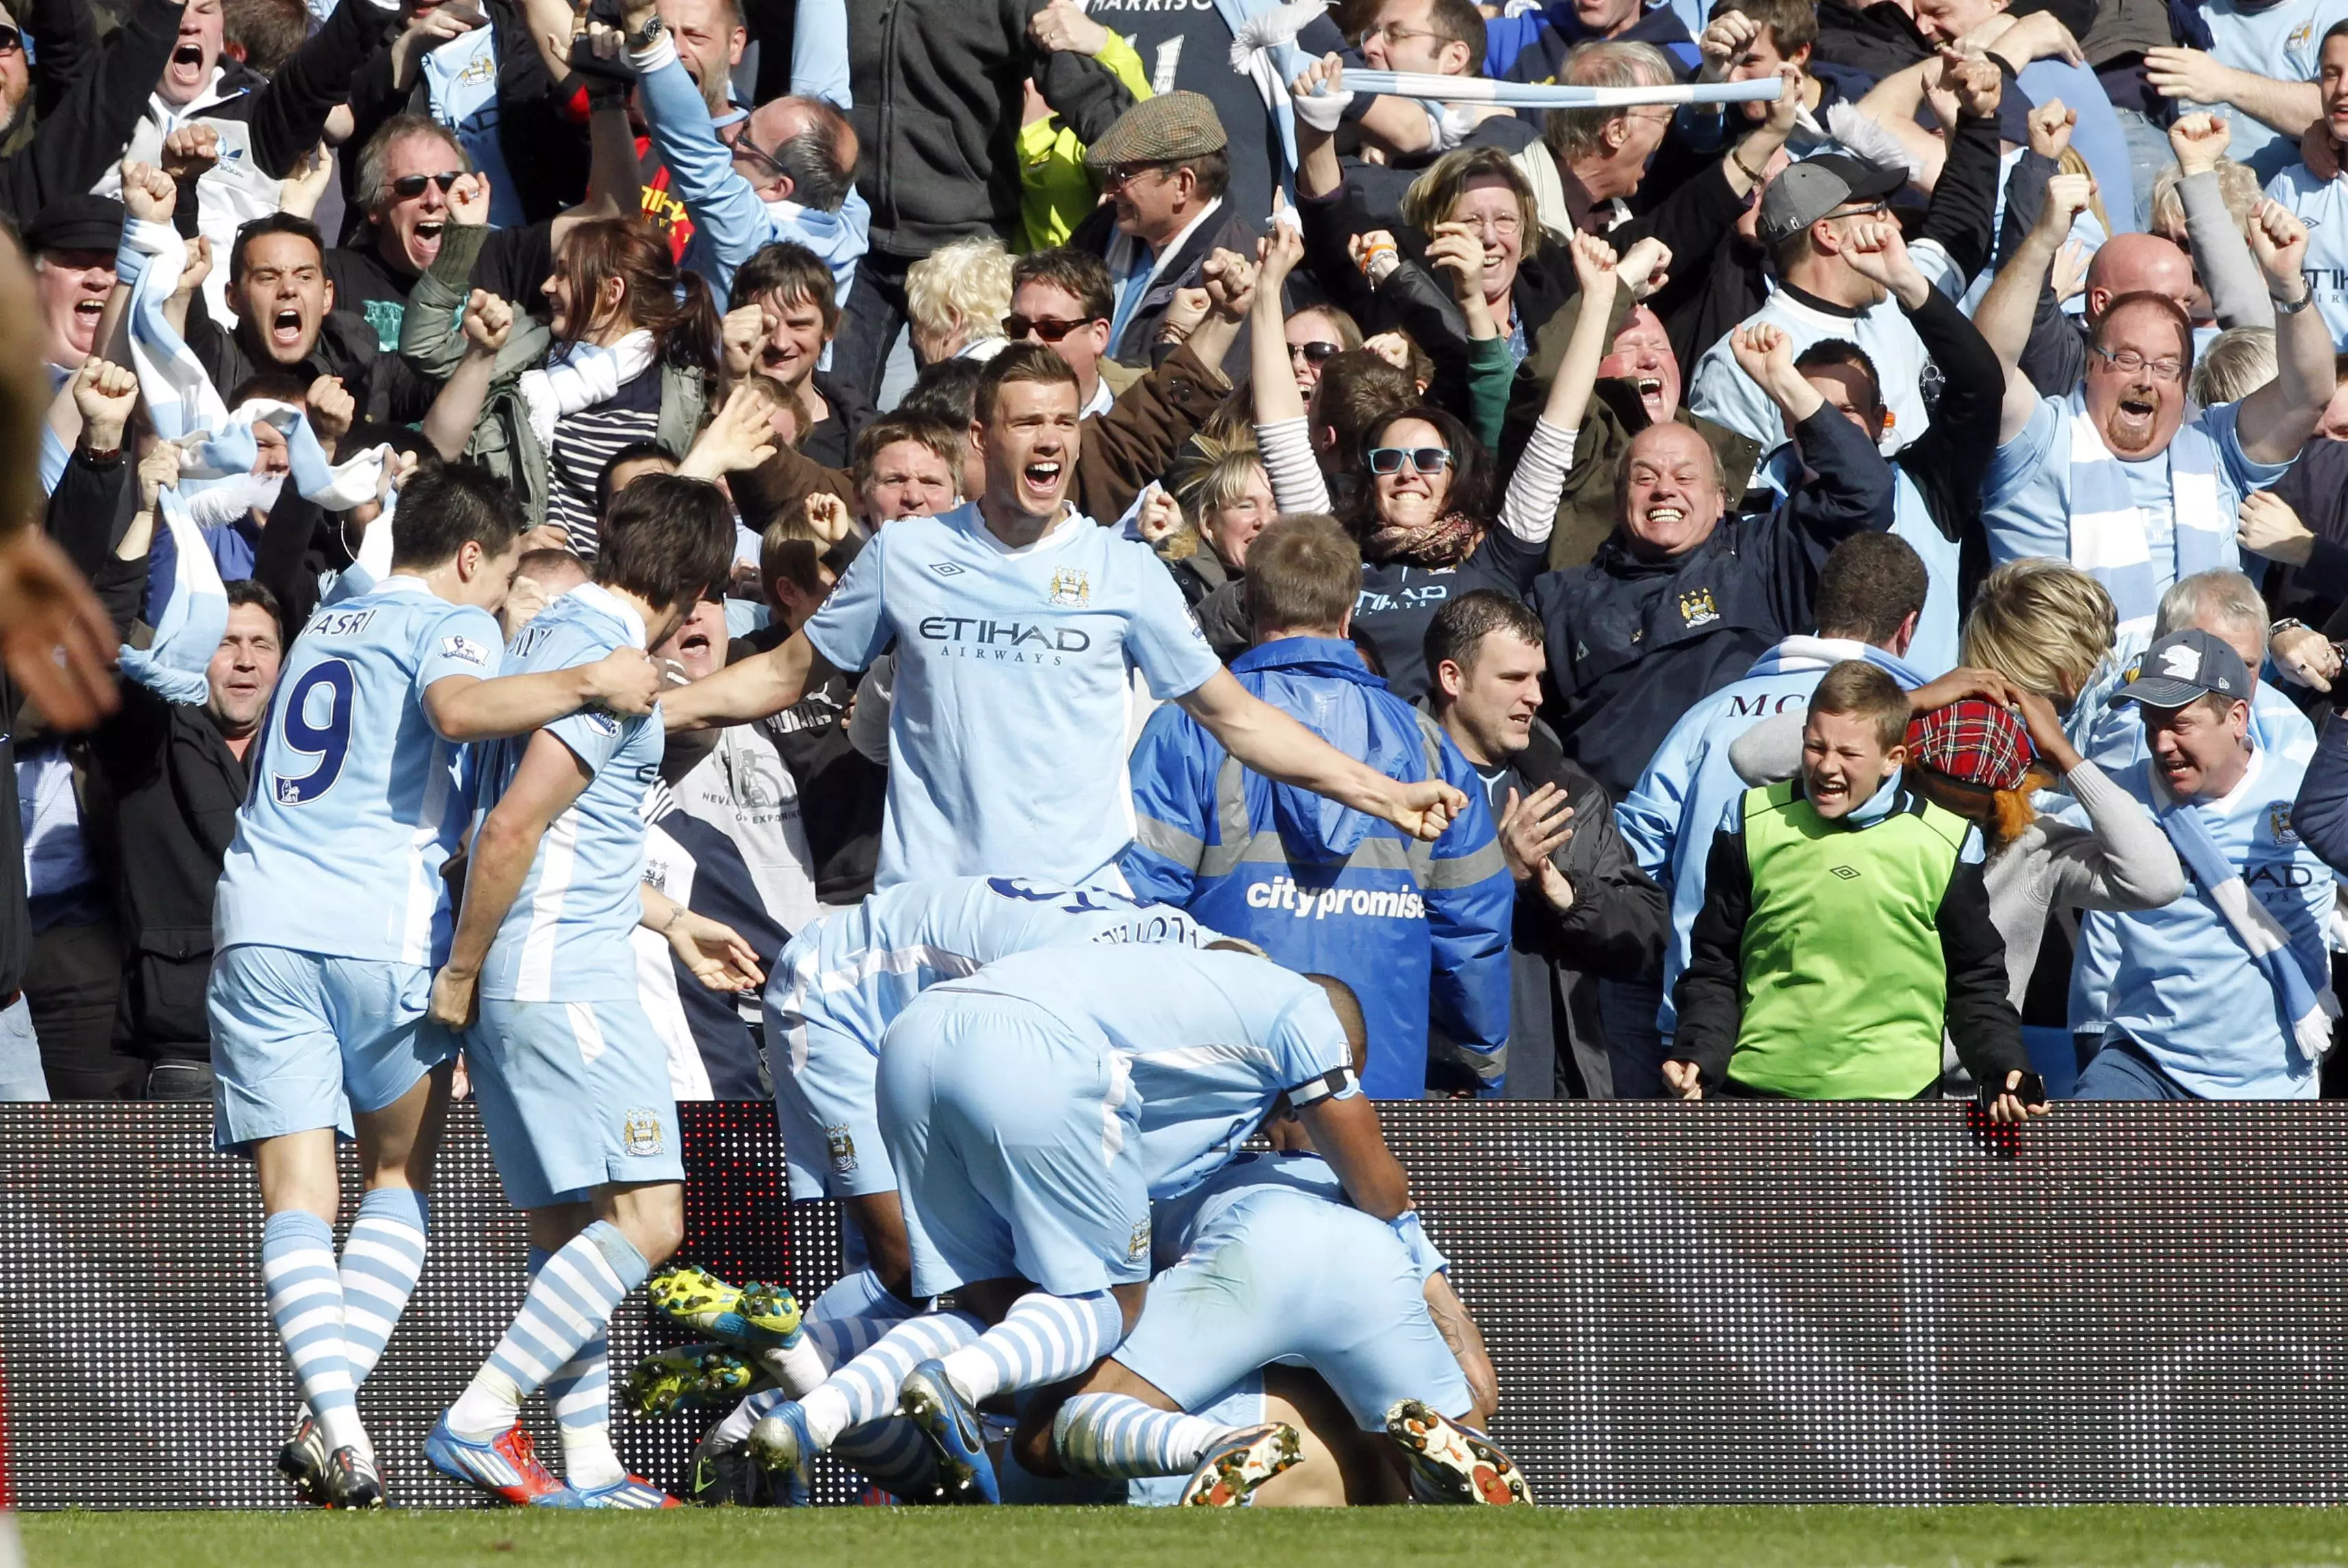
[
  {"x": 330, "y": 917},
  {"x": 1032, "y": 1111},
  {"x": 834, "y": 992},
  {"x": 1262, "y": 1264},
  {"x": 572, "y": 1080},
  {"x": 1017, "y": 625}
]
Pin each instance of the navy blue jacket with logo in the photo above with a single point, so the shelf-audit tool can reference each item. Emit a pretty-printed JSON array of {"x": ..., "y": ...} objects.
[
  {"x": 1419, "y": 931},
  {"x": 1633, "y": 643}
]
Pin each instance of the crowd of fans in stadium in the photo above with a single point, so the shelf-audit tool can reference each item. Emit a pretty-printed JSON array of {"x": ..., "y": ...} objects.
[{"x": 1866, "y": 560}]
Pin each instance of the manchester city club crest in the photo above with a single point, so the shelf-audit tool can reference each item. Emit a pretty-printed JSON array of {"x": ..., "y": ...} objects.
[
  {"x": 841, "y": 1147},
  {"x": 640, "y": 1132},
  {"x": 2279, "y": 820},
  {"x": 1137, "y": 1246},
  {"x": 1696, "y": 608},
  {"x": 1071, "y": 589}
]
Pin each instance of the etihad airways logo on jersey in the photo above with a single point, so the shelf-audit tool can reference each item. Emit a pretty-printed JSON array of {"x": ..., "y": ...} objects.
[
  {"x": 1309, "y": 904},
  {"x": 1009, "y": 642}
]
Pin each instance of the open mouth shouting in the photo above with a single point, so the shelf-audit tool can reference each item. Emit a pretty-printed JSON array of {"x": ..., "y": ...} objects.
[
  {"x": 2133, "y": 418},
  {"x": 188, "y": 67},
  {"x": 1040, "y": 483},
  {"x": 285, "y": 331}
]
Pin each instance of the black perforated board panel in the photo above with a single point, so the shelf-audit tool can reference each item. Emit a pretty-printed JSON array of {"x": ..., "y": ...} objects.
[{"x": 1714, "y": 1303}]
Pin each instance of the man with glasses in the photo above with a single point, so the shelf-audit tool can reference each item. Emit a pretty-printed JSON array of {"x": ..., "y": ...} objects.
[
  {"x": 1063, "y": 299},
  {"x": 411, "y": 173},
  {"x": 2118, "y": 475},
  {"x": 1807, "y": 216},
  {"x": 1164, "y": 168}
]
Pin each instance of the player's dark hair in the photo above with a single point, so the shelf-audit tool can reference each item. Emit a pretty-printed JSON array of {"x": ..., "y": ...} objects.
[
  {"x": 1871, "y": 583},
  {"x": 634, "y": 452},
  {"x": 1458, "y": 630},
  {"x": 669, "y": 541},
  {"x": 441, "y": 510},
  {"x": 947, "y": 392}
]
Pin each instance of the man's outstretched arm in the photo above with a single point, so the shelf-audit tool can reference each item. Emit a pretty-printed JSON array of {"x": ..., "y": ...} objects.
[{"x": 1276, "y": 746}]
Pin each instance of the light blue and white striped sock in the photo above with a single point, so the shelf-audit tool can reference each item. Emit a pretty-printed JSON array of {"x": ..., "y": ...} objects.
[
  {"x": 866, "y": 1388},
  {"x": 581, "y": 1392},
  {"x": 305, "y": 1301},
  {"x": 1041, "y": 1340},
  {"x": 382, "y": 1257},
  {"x": 893, "y": 1453},
  {"x": 566, "y": 1307},
  {"x": 1118, "y": 1436}
]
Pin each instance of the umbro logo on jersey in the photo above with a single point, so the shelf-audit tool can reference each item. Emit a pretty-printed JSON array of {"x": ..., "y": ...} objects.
[
  {"x": 945, "y": 569},
  {"x": 1847, "y": 873}
]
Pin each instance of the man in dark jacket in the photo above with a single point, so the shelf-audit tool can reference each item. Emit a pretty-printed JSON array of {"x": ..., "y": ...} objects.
[
  {"x": 1685, "y": 595},
  {"x": 1164, "y": 166},
  {"x": 1584, "y": 910},
  {"x": 88, "y": 109},
  {"x": 174, "y": 775},
  {"x": 940, "y": 92}
]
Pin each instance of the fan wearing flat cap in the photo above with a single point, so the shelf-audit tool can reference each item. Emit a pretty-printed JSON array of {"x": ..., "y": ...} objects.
[{"x": 1165, "y": 166}]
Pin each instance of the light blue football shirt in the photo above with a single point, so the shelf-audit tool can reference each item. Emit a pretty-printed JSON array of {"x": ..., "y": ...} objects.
[
  {"x": 1008, "y": 723},
  {"x": 566, "y": 937},
  {"x": 460, "y": 81},
  {"x": 855, "y": 971},
  {"x": 2323, "y": 204},
  {"x": 2280, "y": 41},
  {"x": 356, "y": 802},
  {"x": 1212, "y": 1039}
]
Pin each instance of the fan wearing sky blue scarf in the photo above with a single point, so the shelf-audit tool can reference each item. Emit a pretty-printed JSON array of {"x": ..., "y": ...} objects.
[
  {"x": 2222, "y": 994},
  {"x": 2121, "y": 476}
]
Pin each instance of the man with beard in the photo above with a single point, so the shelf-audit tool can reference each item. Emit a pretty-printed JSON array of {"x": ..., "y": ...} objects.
[{"x": 2110, "y": 475}]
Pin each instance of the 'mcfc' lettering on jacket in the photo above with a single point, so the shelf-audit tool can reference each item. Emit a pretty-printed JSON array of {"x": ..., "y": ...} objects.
[{"x": 1762, "y": 704}]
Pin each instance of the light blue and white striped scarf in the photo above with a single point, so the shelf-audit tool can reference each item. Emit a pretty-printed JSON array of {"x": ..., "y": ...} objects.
[
  {"x": 2109, "y": 541},
  {"x": 2306, "y": 1004},
  {"x": 216, "y": 446}
]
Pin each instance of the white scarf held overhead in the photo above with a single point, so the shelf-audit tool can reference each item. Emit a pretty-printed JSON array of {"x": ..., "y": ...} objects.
[{"x": 581, "y": 376}]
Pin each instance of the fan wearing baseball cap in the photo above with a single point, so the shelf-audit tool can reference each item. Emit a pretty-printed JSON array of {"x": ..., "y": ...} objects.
[
  {"x": 2221, "y": 994},
  {"x": 1846, "y": 929},
  {"x": 1828, "y": 289}
]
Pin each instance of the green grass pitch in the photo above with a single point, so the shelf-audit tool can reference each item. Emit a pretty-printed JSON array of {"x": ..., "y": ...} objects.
[{"x": 1081, "y": 1538}]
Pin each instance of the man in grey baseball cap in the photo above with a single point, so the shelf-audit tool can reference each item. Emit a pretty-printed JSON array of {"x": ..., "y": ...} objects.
[{"x": 1822, "y": 220}]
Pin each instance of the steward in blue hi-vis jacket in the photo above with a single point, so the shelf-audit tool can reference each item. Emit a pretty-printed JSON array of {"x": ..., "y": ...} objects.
[{"x": 1419, "y": 931}]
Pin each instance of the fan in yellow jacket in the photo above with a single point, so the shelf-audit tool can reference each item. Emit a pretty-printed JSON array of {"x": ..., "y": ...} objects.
[{"x": 1056, "y": 189}]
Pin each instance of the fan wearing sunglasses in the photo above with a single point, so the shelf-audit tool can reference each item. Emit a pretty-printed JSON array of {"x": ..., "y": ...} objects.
[
  {"x": 412, "y": 178},
  {"x": 1315, "y": 336},
  {"x": 1421, "y": 520}
]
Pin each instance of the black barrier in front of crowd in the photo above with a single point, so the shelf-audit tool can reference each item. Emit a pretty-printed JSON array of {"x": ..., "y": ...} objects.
[{"x": 1715, "y": 1303}]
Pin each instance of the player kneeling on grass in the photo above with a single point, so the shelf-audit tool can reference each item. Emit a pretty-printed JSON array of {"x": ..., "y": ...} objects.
[
  {"x": 571, "y": 1079},
  {"x": 1031, "y": 1111},
  {"x": 1268, "y": 1263},
  {"x": 331, "y": 914}
]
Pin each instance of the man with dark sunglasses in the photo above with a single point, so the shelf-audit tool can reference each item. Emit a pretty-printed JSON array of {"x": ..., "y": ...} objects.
[
  {"x": 1061, "y": 299},
  {"x": 412, "y": 173}
]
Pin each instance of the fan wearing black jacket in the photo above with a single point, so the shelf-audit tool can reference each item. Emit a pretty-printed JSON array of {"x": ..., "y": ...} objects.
[{"x": 1584, "y": 909}]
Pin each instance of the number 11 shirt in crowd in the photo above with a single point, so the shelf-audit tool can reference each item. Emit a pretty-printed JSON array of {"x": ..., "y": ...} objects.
[
  {"x": 1008, "y": 723},
  {"x": 355, "y": 804}
]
